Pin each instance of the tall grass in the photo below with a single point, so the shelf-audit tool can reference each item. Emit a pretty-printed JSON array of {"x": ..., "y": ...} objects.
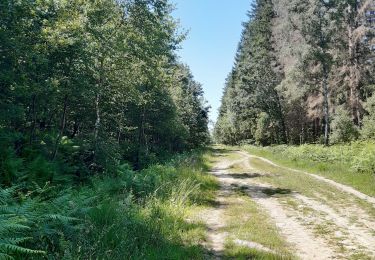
[
  {"x": 131, "y": 215},
  {"x": 351, "y": 164}
]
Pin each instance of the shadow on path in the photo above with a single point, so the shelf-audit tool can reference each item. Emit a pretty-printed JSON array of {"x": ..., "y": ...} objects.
[
  {"x": 240, "y": 175},
  {"x": 258, "y": 191}
]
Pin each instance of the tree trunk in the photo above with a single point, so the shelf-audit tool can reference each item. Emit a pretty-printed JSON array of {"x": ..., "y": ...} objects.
[
  {"x": 282, "y": 119},
  {"x": 97, "y": 122},
  {"x": 354, "y": 68},
  {"x": 75, "y": 129},
  {"x": 62, "y": 128},
  {"x": 140, "y": 141},
  {"x": 33, "y": 119},
  {"x": 118, "y": 135},
  {"x": 99, "y": 90},
  {"x": 354, "y": 77},
  {"x": 326, "y": 106}
]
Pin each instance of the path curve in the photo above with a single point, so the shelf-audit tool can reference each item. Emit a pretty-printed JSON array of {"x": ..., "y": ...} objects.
[
  {"x": 339, "y": 186},
  {"x": 305, "y": 244},
  {"x": 360, "y": 235}
]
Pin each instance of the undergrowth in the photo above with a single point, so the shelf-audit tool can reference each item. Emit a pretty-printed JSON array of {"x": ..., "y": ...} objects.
[{"x": 127, "y": 215}]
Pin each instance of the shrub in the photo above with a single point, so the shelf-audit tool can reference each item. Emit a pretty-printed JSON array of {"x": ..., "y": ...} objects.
[
  {"x": 343, "y": 128},
  {"x": 368, "y": 128},
  {"x": 30, "y": 226},
  {"x": 11, "y": 166},
  {"x": 364, "y": 161},
  {"x": 262, "y": 134}
]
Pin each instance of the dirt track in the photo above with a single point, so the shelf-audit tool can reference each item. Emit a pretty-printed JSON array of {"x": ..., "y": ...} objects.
[{"x": 313, "y": 228}]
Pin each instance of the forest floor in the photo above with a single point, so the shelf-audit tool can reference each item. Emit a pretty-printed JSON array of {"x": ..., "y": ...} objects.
[{"x": 265, "y": 211}]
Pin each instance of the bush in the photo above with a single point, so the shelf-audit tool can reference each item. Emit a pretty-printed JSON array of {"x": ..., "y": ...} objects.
[
  {"x": 14, "y": 228},
  {"x": 262, "y": 134},
  {"x": 32, "y": 225},
  {"x": 343, "y": 128},
  {"x": 11, "y": 166},
  {"x": 368, "y": 128},
  {"x": 365, "y": 161}
]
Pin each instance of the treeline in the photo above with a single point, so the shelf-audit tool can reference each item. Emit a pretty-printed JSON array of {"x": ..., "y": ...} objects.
[
  {"x": 303, "y": 73},
  {"x": 88, "y": 85}
]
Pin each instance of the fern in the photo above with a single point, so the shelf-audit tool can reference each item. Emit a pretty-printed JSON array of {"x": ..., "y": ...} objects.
[
  {"x": 5, "y": 256},
  {"x": 12, "y": 229},
  {"x": 9, "y": 248},
  {"x": 60, "y": 218},
  {"x": 14, "y": 226}
]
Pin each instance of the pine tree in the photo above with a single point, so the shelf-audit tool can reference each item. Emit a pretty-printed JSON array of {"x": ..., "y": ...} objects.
[{"x": 251, "y": 89}]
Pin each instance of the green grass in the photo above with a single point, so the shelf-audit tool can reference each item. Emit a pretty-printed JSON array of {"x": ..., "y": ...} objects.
[
  {"x": 284, "y": 179},
  {"x": 247, "y": 222},
  {"x": 285, "y": 182},
  {"x": 244, "y": 253},
  {"x": 157, "y": 226},
  {"x": 346, "y": 164}
]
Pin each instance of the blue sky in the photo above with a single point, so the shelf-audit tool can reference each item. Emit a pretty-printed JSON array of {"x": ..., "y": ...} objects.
[{"x": 215, "y": 28}]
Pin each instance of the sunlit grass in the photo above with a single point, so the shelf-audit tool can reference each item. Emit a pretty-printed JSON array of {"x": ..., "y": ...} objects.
[
  {"x": 307, "y": 185},
  {"x": 155, "y": 217},
  {"x": 247, "y": 222},
  {"x": 339, "y": 168},
  {"x": 284, "y": 179}
]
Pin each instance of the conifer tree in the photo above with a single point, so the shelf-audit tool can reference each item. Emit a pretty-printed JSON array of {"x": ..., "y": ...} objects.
[{"x": 251, "y": 89}]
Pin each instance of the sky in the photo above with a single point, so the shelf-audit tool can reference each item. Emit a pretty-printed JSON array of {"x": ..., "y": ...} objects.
[{"x": 215, "y": 28}]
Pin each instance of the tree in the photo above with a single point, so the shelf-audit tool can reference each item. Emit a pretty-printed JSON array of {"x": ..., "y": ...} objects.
[
  {"x": 298, "y": 62},
  {"x": 318, "y": 32},
  {"x": 88, "y": 84},
  {"x": 251, "y": 87},
  {"x": 352, "y": 20}
]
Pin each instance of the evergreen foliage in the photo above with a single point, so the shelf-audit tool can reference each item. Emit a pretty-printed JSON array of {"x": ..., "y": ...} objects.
[
  {"x": 343, "y": 127},
  {"x": 368, "y": 129},
  {"x": 302, "y": 72},
  {"x": 250, "y": 88}
]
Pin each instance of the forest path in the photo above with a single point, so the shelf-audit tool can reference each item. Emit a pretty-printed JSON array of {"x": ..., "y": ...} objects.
[
  {"x": 316, "y": 219},
  {"x": 340, "y": 186}
]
